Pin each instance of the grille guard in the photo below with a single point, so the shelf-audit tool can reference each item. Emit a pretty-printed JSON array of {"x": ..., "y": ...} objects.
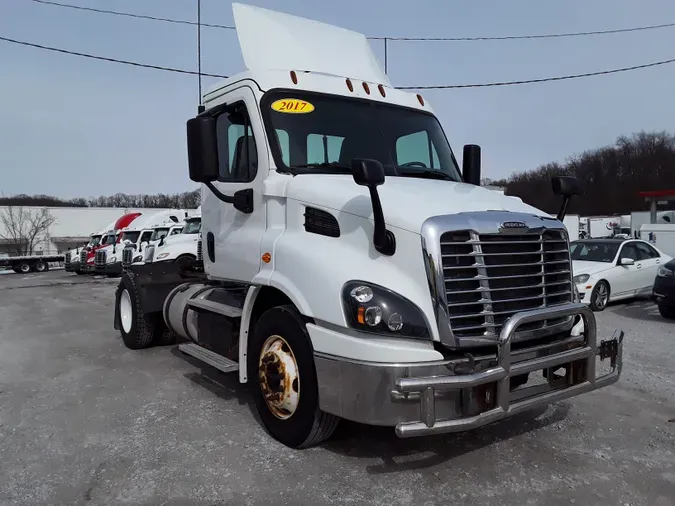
[{"x": 507, "y": 404}]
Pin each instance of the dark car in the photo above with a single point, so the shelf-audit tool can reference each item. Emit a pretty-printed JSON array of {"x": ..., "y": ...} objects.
[{"x": 664, "y": 290}]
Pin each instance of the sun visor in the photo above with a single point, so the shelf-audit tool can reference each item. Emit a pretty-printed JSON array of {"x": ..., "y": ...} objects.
[{"x": 272, "y": 40}]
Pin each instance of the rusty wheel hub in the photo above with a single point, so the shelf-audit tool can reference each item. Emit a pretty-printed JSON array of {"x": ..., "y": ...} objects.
[{"x": 278, "y": 376}]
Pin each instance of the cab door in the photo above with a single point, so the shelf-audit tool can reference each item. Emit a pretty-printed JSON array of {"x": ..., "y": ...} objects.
[{"x": 230, "y": 237}]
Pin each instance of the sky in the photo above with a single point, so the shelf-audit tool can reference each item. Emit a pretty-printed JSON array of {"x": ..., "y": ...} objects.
[{"x": 74, "y": 127}]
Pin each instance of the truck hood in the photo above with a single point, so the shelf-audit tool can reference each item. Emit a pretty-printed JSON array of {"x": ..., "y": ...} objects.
[
  {"x": 406, "y": 201},
  {"x": 177, "y": 239}
]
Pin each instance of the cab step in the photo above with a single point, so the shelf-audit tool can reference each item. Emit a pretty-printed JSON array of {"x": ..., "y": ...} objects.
[
  {"x": 214, "y": 307},
  {"x": 209, "y": 357}
]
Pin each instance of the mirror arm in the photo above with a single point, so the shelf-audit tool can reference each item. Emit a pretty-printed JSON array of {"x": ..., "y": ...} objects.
[
  {"x": 242, "y": 199},
  {"x": 563, "y": 208},
  {"x": 383, "y": 240},
  {"x": 221, "y": 196}
]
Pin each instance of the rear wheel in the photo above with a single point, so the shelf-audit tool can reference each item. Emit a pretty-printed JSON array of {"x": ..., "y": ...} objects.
[
  {"x": 283, "y": 377},
  {"x": 41, "y": 266},
  {"x": 137, "y": 329},
  {"x": 600, "y": 296},
  {"x": 667, "y": 312}
]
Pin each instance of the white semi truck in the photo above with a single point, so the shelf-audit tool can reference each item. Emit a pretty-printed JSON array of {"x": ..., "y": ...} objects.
[
  {"x": 182, "y": 246},
  {"x": 136, "y": 235},
  {"x": 350, "y": 268}
]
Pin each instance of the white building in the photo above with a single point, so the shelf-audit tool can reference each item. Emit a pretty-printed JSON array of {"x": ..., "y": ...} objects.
[{"x": 71, "y": 228}]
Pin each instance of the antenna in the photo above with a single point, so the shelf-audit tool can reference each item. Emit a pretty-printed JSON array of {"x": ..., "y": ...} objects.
[{"x": 201, "y": 108}]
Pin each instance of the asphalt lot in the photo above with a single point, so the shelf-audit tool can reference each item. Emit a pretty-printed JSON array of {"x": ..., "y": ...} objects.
[{"x": 83, "y": 420}]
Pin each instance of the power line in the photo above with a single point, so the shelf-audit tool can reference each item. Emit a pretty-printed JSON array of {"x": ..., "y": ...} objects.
[
  {"x": 406, "y": 39},
  {"x": 435, "y": 87},
  {"x": 131, "y": 15},
  {"x": 105, "y": 58}
]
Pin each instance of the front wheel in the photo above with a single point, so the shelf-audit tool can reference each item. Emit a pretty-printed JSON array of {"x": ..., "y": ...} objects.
[
  {"x": 283, "y": 377},
  {"x": 600, "y": 296},
  {"x": 667, "y": 312}
]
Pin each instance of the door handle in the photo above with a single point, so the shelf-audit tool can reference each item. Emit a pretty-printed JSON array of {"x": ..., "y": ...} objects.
[
  {"x": 639, "y": 266},
  {"x": 658, "y": 260}
]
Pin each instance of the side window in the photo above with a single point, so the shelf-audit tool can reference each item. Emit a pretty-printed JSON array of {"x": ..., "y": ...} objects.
[
  {"x": 416, "y": 149},
  {"x": 237, "y": 151},
  {"x": 176, "y": 231},
  {"x": 323, "y": 148},
  {"x": 145, "y": 237},
  {"x": 630, "y": 251},
  {"x": 646, "y": 251}
]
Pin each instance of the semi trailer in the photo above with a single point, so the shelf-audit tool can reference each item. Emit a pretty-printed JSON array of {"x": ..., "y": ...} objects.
[{"x": 349, "y": 268}]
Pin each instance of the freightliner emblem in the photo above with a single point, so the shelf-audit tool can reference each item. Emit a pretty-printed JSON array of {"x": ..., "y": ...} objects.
[{"x": 513, "y": 225}]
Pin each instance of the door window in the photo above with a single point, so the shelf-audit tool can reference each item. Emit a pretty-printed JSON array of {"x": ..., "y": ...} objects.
[
  {"x": 646, "y": 251},
  {"x": 630, "y": 251},
  {"x": 146, "y": 236},
  {"x": 237, "y": 151}
]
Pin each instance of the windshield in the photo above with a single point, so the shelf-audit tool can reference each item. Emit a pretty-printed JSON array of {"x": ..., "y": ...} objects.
[
  {"x": 131, "y": 236},
  {"x": 108, "y": 239},
  {"x": 94, "y": 240},
  {"x": 192, "y": 227},
  {"x": 594, "y": 251},
  {"x": 407, "y": 142},
  {"x": 159, "y": 233}
]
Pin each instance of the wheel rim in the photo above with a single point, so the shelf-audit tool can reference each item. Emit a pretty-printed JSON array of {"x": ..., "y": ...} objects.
[
  {"x": 40, "y": 267},
  {"x": 601, "y": 295},
  {"x": 125, "y": 311},
  {"x": 279, "y": 378},
  {"x": 24, "y": 268}
]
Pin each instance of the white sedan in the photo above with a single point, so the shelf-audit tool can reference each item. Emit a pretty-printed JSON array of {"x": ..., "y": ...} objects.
[{"x": 611, "y": 269}]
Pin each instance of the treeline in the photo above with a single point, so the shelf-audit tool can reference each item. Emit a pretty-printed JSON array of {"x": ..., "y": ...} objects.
[
  {"x": 612, "y": 176},
  {"x": 186, "y": 200}
]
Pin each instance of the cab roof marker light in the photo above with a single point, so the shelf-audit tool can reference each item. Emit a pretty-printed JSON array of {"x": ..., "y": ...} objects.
[
  {"x": 349, "y": 85},
  {"x": 366, "y": 88},
  {"x": 420, "y": 99},
  {"x": 294, "y": 77},
  {"x": 381, "y": 88}
]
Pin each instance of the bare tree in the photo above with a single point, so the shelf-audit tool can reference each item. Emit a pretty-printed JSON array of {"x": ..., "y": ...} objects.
[{"x": 22, "y": 228}]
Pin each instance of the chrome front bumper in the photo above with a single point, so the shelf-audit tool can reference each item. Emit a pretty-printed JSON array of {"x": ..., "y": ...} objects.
[{"x": 424, "y": 399}]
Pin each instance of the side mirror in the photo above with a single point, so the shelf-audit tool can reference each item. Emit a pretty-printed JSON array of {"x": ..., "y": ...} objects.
[
  {"x": 566, "y": 187},
  {"x": 202, "y": 146},
  {"x": 370, "y": 173},
  {"x": 626, "y": 261},
  {"x": 367, "y": 172},
  {"x": 471, "y": 164}
]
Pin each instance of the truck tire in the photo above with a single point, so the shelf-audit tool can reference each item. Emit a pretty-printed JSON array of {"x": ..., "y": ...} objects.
[
  {"x": 24, "y": 268},
  {"x": 668, "y": 312},
  {"x": 138, "y": 330},
  {"x": 287, "y": 397},
  {"x": 41, "y": 266}
]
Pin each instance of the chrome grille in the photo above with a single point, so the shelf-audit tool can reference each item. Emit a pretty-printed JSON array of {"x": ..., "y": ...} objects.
[
  {"x": 200, "y": 255},
  {"x": 67, "y": 258},
  {"x": 490, "y": 277},
  {"x": 127, "y": 256},
  {"x": 83, "y": 256},
  {"x": 99, "y": 258}
]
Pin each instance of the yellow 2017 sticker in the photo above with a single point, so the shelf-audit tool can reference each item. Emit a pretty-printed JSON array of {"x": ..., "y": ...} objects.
[{"x": 292, "y": 106}]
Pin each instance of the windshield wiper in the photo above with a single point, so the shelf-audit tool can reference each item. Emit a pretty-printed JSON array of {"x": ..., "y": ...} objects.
[
  {"x": 326, "y": 165},
  {"x": 425, "y": 173}
]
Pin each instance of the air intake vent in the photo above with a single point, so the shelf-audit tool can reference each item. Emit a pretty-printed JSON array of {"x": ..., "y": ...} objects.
[{"x": 321, "y": 222}]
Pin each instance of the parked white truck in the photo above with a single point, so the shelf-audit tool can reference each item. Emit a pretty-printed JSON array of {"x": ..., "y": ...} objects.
[
  {"x": 350, "y": 269},
  {"x": 135, "y": 236},
  {"x": 179, "y": 247}
]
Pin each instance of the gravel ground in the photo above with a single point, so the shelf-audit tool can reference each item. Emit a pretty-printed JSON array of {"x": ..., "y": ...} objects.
[{"x": 83, "y": 420}]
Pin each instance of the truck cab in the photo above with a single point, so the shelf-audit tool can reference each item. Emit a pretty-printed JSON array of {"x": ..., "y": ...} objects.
[
  {"x": 182, "y": 246},
  {"x": 351, "y": 269}
]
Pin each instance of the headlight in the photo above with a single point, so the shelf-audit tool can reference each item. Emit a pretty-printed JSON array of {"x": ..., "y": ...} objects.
[
  {"x": 664, "y": 272},
  {"x": 375, "y": 309},
  {"x": 581, "y": 278},
  {"x": 162, "y": 255},
  {"x": 112, "y": 259}
]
